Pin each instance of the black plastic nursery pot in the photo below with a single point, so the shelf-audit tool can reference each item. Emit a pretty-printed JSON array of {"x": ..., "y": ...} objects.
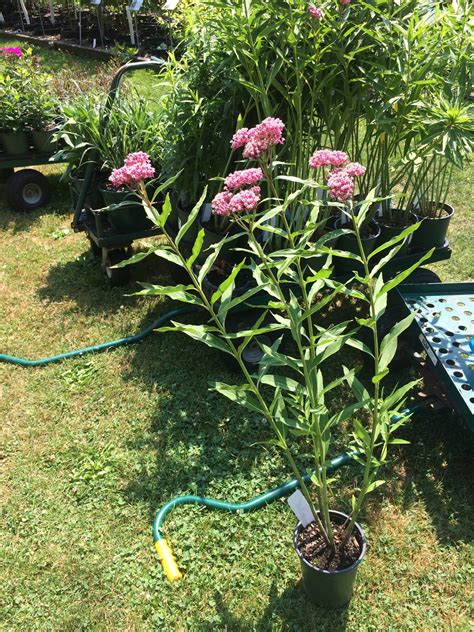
[
  {"x": 330, "y": 589},
  {"x": 349, "y": 243},
  {"x": 129, "y": 218},
  {"x": 15, "y": 143},
  {"x": 43, "y": 141},
  {"x": 389, "y": 231},
  {"x": 432, "y": 231}
]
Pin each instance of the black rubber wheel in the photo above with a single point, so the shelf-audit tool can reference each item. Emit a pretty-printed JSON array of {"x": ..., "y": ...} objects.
[
  {"x": 252, "y": 353},
  {"x": 423, "y": 275},
  {"x": 27, "y": 189},
  {"x": 94, "y": 248},
  {"x": 116, "y": 276}
]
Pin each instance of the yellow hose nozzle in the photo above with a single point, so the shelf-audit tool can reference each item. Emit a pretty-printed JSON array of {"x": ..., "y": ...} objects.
[{"x": 168, "y": 561}]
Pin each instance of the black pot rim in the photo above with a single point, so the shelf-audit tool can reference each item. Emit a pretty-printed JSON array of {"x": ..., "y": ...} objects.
[
  {"x": 357, "y": 528},
  {"x": 446, "y": 207},
  {"x": 413, "y": 217},
  {"x": 338, "y": 224}
]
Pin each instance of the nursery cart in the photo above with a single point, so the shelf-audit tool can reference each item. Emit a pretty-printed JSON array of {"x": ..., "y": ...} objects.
[
  {"x": 26, "y": 189},
  {"x": 105, "y": 241},
  {"x": 444, "y": 325}
]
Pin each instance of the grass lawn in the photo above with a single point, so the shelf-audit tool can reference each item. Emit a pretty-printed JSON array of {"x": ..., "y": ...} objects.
[{"x": 93, "y": 446}]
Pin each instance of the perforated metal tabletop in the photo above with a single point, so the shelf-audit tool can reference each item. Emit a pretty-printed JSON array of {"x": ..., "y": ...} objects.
[{"x": 444, "y": 316}]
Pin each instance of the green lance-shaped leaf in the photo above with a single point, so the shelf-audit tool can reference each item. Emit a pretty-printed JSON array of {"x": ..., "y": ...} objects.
[
  {"x": 365, "y": 208},
  {"x": 272, "y": 357},
  {"x": 203, "y": 333},
  {"x": 262, "y": 280},
  {"x": 356, "y": 385},
  {"x": 227, "y": 286},
  {"x": 175, "y": 292},
  {"x": 284, "y": 383},
  {"x": 191, "y": 219},
  {"x": 388, "y": 347},
  {"x": 374, "y": 485},
  {"x": 209, "y": 262},
  {"x": 347, "y": 412},
  {"x": 394, "y": 241},
  {"x": 197, "y": 247},
  {"x": 380, "y": 298},
  {"x": 240, "y": 395},
  {"x": 397, "y": 397},
  {"x": 390, "y": 285},
  {"x": 136, "y": 258},
  {"x": 162, "y": 187}
]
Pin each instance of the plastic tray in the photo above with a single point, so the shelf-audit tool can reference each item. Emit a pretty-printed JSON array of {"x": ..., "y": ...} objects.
[{"x": 444, "y": 316}]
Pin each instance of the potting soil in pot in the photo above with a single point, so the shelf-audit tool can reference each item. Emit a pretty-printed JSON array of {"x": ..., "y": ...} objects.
[{"x": 314, "y": 549}]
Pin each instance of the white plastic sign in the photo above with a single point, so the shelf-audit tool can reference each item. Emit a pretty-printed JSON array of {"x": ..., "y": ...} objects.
[
  {"x": 135, "y": 5},
  {"x": 170, "y": 5},
  {"x": 301, "y": 508}
]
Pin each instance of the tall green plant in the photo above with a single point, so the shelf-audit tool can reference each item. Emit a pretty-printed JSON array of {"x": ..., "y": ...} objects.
[{"x": 293, "y": 294}]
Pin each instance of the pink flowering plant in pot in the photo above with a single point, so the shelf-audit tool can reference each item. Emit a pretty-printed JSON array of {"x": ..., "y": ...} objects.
[{"x": 289, "y": 388}]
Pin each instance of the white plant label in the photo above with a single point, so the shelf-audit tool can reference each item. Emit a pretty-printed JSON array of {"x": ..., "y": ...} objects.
[
  {"x": 170, "y": 5},
  {"x": 300, "y": 507}
]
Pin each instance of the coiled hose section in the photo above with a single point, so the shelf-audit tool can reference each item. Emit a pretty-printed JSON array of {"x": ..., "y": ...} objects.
[
  {"x": 162, "y": 546},
  {"x": 104, "y": 346}
]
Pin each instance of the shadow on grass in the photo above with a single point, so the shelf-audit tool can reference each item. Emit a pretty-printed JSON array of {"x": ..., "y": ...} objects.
[
  {"x": 440, "y": 470},
  {"x": 292, "y": 609},
  {"x": 81, "y": 280}
]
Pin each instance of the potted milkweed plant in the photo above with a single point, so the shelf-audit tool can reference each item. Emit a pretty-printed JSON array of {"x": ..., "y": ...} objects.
[
  {"x": 330, "y": 544},
  {"x": 445, "y": 142}
]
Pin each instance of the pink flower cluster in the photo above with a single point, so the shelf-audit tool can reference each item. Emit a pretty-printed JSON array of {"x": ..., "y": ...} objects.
[
  {"x": 246, "y": 177},
  {"x": 340, "y": 178},
  {"x": 137, "y": 167},
  {"x": 345, "y": 2},
  {"x": 11, "y": 52},
  {"x": 341, "y": 185},
  {"x": 315, "y": 12},
  {"x": 259, "y": 139},
  {"x": 328, "y": 158},
  {"x": 233, "y": 200}
]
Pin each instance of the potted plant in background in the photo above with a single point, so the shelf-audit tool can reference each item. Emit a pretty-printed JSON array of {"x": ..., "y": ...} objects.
[
  {"x": 446, "y": 140},
  {"x": 13, "y": 83},
  {"x": 132, "y": 123},
  {"x": 332, "y": 545},
  {"x": 42, "y": 114}
]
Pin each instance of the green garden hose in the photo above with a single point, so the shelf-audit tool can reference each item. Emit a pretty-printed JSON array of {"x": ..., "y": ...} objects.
[
  {"x": 164, "y": 549},
  {"x": 129, "y": 340}
]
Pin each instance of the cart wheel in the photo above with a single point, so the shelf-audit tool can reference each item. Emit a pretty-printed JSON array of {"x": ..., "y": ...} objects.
[
  {"x": 27, "y": 189},
  {"x": 94, "y": 248},
  {"x": 423, "y": 275},
  {"x": 252, "y": 353},
  {"x": 116, "y": 276}
]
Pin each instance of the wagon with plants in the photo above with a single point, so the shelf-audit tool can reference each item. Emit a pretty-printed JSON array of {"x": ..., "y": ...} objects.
[
  {"x": 97, "y": 135},
  {"x": 29, "y": 116}
]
